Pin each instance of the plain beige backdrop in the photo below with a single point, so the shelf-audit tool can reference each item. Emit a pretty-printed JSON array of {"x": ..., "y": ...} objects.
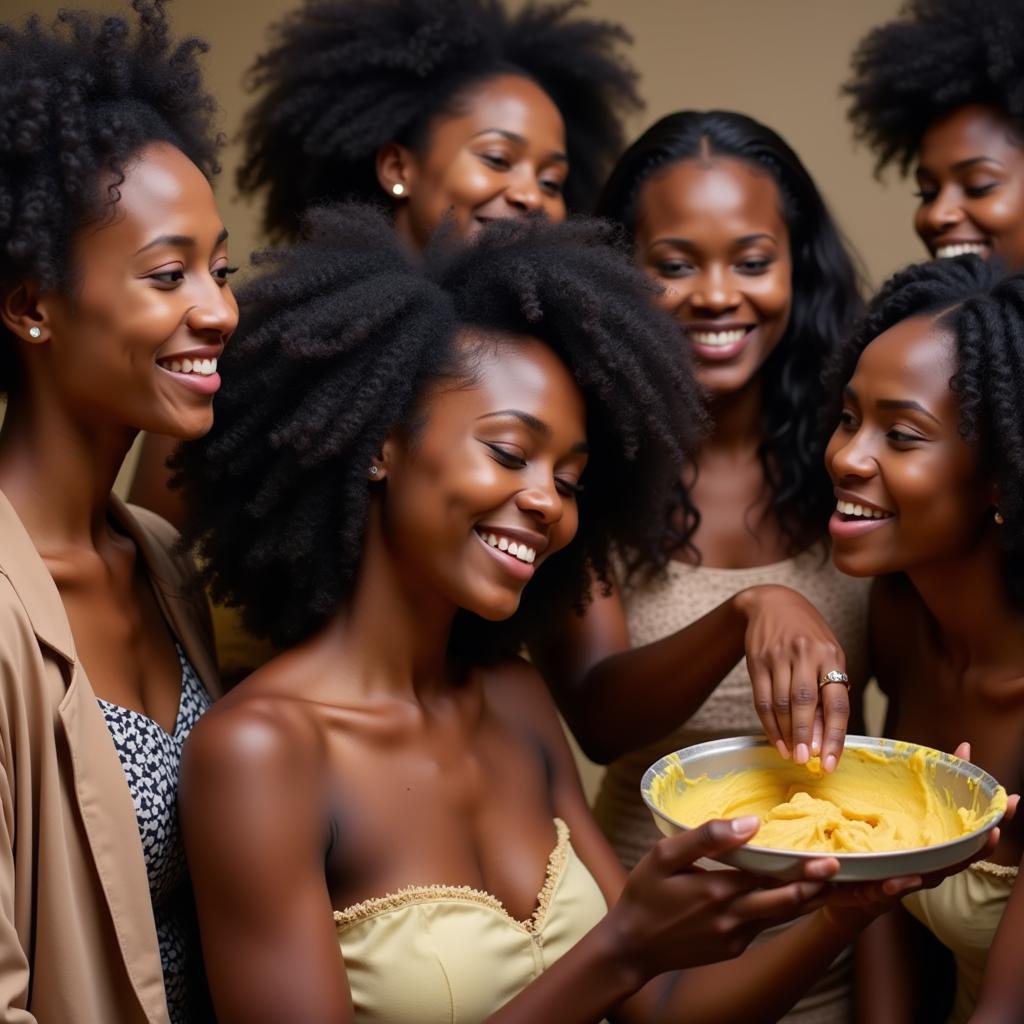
[{"x": 780, "y": 61}]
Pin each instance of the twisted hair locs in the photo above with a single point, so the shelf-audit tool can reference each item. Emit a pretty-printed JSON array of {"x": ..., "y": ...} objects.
[
  {"x": 342, "y": 338},
  {"x": 983, "y": 310}
]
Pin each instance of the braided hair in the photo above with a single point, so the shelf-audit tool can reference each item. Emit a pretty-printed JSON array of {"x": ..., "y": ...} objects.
[
  {"x": 984, "y": 312},
  {"x": 341, "y": 338},
  {"x": 345, "y": 77}
]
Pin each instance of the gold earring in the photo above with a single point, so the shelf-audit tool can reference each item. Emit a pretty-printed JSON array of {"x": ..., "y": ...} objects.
[
  {"x": 999, "y": 518},
  {"x": 398, "y": 189}
]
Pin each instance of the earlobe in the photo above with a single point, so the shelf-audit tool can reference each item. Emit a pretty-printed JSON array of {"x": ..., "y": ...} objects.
[
  {"x": 24, "y": 314},
  {"x": 395, "y": 171}
]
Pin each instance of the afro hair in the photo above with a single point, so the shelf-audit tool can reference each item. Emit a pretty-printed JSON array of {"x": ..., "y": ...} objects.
[
  {"x": 76, "y": 103},
  {"x": 984, "y": 312},
  {"x": 342, "y": 337},
  {"x": 344, "y": 77},
  {"x": 937, "y": 56}
]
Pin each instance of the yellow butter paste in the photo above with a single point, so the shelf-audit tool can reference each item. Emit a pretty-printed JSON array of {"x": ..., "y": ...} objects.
[{"x": 870, "y": 804}]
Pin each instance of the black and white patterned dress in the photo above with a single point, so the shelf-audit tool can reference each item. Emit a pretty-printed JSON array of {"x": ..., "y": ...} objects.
[{"x": 151, "y": 759}]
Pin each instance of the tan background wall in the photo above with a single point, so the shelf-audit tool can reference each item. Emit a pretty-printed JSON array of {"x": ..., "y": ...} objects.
[{"x": 781, "y": 62}]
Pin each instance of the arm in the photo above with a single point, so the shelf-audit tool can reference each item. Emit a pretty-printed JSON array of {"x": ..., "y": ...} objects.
[
  {"x": 616, "y": 699},
  {"x": 255, "y": 835},
  {"x": 150, "y": 484}
]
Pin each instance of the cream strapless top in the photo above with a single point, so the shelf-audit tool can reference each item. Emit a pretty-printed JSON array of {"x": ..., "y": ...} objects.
[
  {"x": 963, "y": 913},
  {"x": 441, "y": 954}
]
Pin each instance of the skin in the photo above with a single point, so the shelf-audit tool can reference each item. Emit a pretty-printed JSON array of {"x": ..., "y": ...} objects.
[
  {"x": 970, "y": 178},
  {"x": 500, "y": 154},
  {"x": 711, "y": 233},
  {"x": 281, "y": 781},
  {"x": 89, "y": 383},
  {"x": 946, "y": 644}
]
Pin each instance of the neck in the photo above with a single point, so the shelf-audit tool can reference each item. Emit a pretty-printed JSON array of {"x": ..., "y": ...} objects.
[
  {"x": 57, "y": 470},
  {"x": 737, "y": 420},
  {"x": 967, "y": 598},
  {"x": 393, "y": 636}
]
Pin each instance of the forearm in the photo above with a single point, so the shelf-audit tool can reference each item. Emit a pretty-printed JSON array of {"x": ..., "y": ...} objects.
[
  {"x": 885, "y": 971},
  {"x": 759, "y": 986},
  {"x": 633, "y": 698}
]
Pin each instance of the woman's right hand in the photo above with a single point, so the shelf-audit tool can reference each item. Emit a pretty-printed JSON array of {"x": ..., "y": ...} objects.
[{"x": 674, "y": 915}]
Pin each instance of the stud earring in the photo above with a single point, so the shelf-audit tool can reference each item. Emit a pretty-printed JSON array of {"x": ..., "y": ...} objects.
[
  {"x": 998, "y": 517},
  {"x": 398, "y": 189},
  {"x": 374, "y": 470},
  {"x": 35, "y": 332}
]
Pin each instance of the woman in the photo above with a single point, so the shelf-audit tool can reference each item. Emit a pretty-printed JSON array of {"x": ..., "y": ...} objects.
[
  {"x": 114, "y": 306},
  {"x": 929, "y": 482},
  {"x": 937, "y": 91},
  {"x": 727, "y": 222},
  {"x": 403, "y": 450}
]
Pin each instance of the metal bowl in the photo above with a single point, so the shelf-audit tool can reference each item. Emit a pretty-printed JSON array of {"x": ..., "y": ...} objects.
[{"x": 966, "y": 784}]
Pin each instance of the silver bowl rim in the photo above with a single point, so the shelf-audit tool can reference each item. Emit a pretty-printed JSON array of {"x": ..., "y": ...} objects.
[{"x": 988, "y": 782}]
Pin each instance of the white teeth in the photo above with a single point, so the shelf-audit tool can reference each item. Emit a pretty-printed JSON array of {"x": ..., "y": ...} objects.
[
  {"x": 202, "y": 367},
  {"x": 717, "y": 339},
  {"x": 946, "y": 252},
  {"x": 520, "y": 551},
  {"x": 186, "y": 366},
  {"x": 849, "y": 508},
  {"x": 176, "y": 366}
]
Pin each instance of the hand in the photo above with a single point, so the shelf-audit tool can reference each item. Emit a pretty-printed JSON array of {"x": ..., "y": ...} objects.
[
  {"x": 672, "y": 915},
  {"x": 789, "y": 648}
]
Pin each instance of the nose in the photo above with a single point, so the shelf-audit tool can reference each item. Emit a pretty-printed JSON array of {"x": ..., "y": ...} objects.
[
  {"x": 714, "y": 292},
  {"x": 524, "y": 191},
  {"x": 944, "y": 211},
  {"x": 541, "y": 501},
  {"x": 215, "y": 312},
  {"x": 849, "y": 455}
]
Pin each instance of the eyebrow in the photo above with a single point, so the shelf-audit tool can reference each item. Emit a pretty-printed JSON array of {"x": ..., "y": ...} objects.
[
  {"x": 180, "y": 241},
  {"x": 896, "y": 403},
  {"x": 686, "y": 243},
  {"x": 520, "y": 140},
  {"x": 966, "y": 165},
  {"x": 534, "y": 424}
]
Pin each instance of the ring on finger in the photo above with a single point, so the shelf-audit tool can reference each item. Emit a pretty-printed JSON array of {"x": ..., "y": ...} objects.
[{"x": 835, "y": 676}]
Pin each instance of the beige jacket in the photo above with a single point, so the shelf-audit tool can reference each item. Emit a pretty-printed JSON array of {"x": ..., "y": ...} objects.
[{"x": 77, "y": 940}]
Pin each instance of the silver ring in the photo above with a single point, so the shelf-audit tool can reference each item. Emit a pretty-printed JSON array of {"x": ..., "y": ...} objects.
[{"x": 835, "y": 676}]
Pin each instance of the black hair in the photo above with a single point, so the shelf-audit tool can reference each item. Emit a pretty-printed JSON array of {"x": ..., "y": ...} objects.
[
  {"x": 77, "y": 102},
  {"x": 938, "y": 55},
  {"x": 344, "y": 77},
  {"x": 340, "y": 339},
  {"x": 984, "y": 312},
  {"x": 826, "y": 301}
]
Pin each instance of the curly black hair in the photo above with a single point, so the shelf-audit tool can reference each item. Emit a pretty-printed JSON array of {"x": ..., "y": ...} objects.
[
  {"x": 344, "y": 77},
  {"x": 983, "y": 310},
  {"x": 76, "y": 103},
  {"x": 826, "y": 302},
  {"x": 341, "y": 338},
  {"x": 937, "y": 56}
]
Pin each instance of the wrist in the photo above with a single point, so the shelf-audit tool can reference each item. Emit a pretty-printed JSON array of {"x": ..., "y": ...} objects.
[
  {"x": 622, "y": 968},
  {"x": 745, "y": 602}
]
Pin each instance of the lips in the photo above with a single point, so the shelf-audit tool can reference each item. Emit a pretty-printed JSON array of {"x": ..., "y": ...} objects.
[
  {"x": 949, "y": 250},
  {"x": 712, "y": 342}
]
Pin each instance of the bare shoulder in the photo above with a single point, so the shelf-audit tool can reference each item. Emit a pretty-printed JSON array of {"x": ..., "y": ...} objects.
[{"x": 517, "y": 693}]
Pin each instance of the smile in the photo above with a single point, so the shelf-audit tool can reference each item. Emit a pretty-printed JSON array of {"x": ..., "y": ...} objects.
[
  {"x": 516, "y": 549},
  {"x": 851, "y": 510},
  {"x": 202, "y": 367},
  {"x": 947, "y": 252},
  {"x": 717, "y": 339}
]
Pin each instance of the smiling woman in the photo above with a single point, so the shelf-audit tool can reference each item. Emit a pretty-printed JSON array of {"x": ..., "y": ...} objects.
[{"x": 114, "y": 308}]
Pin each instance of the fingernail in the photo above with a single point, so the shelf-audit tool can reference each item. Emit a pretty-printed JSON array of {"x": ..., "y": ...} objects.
[
  {"x": 781, "y": 747},
  {"x": 802, "y": 754},
  {"x": 815, "y": 747},
  {"x": 830, "y": 763},
  {"x": 744, "y": 826}
]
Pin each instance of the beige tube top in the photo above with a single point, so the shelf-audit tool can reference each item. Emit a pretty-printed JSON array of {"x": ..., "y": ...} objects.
[
  {"x": 440, "y": 954},
  {"x": 665, "y": 605},
  {"x": 963, "y": 913}
]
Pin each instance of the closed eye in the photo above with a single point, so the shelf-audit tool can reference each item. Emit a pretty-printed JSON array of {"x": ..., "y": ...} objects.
[{"x": 506, "y": 458}]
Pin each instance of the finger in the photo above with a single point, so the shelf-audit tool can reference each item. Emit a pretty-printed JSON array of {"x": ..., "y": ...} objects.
[
  {"x": 835, "y": 700},
  {"x": 803, "y": 700},
  {"x": 782, "y": 701},
  {"x": 963, "y": 751},
  {"x": 818, "y": 730},
  {"x": 761, "y": 683},
  {"x": 1012, "y": 802},
  {"x": 713, "y": 838},
  {"x": 782, "y": 903}
]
